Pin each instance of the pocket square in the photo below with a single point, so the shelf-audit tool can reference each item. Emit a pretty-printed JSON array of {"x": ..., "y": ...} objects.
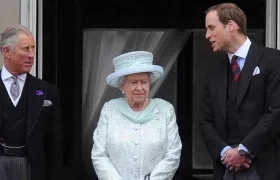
[
  {"x": 47, "y": 103},
  {"x": 256, "y": 71}
]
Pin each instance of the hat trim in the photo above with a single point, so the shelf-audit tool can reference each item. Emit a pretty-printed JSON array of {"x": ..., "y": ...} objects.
[{"x": 113, "y": 78}]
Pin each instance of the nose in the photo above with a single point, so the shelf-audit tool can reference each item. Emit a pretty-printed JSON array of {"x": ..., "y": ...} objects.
[
  {"x": 207, "y": 36},
  {"x": 31, "y": 54},
  {"x": 139, "y": 87}
]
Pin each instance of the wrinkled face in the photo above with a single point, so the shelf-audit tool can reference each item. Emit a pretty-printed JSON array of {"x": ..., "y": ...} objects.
[
  {"x": 20, "y": 58},
  {"x": 136, "y": 87},
  {"x": 217, "y": 33}
]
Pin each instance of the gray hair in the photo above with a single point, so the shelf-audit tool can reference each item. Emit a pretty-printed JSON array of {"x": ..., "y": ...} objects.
[
  {"x": 121, "y": 81},
  {"x": 9, "y": 37}
]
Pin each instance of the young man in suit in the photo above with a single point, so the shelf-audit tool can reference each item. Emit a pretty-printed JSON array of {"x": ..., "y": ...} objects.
[
  {"x": 240, "y": 107},
  {"x": 30, "y": 124}
]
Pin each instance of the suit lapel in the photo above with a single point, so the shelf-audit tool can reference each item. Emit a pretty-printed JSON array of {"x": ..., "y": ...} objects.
[
  {"x": 221, "y": 84},
  {"x": 36, "y": 95},
  {"x": 252, "y": 59}
]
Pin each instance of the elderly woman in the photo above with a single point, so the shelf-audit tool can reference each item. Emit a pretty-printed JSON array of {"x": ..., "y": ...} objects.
[{"x": 136, "y": 137}]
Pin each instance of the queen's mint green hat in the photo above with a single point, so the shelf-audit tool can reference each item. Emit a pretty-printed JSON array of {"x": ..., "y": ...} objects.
[{"x": 132, "y": 63}]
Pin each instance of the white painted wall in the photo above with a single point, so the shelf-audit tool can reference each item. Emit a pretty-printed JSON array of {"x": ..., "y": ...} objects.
[{"x": 9, "y": 14}]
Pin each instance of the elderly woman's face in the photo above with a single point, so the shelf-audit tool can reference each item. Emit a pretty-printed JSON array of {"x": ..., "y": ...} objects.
[{"x": 136, "y": 87}]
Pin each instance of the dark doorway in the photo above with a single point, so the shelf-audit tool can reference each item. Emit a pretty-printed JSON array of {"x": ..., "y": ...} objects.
[{"x": 63, "y": 25}]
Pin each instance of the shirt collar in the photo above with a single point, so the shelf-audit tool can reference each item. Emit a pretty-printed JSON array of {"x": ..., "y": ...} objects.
[
  {"x": 243, "y": 50},
  {"x": 5, "y": 74}
]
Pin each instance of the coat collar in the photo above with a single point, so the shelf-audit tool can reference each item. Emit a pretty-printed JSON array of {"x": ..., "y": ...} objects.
[
  {"x": 36, "y": 96},
  {"x": 252, "y": 59}
]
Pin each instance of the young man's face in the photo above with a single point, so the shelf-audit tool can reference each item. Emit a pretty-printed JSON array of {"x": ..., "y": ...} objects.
[{"x": 217, "y": 33}]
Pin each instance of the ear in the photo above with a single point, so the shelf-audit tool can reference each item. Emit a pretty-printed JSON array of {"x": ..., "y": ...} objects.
[
  {"x": 231, "y": 25},
  {"x": 6, "y": 52}
]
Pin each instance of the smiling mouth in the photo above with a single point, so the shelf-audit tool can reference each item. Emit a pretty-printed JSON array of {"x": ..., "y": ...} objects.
[{"x": 212, "y": 43}]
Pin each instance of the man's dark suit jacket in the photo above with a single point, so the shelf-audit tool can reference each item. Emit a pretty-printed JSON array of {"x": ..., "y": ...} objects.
[
  {"x": 44, "y": 135},
  {"x": 257, "y": 111}
]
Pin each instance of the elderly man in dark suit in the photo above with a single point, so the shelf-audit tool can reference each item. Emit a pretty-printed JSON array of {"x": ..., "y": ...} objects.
[
  {"x": 240, "y": 121},
  {"x": 30, "y": 125}
]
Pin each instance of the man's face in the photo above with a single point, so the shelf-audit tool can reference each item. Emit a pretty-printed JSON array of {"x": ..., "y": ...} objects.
[
  {"x": 20, "y": 57},
  {"x": 217, "y": 33}
]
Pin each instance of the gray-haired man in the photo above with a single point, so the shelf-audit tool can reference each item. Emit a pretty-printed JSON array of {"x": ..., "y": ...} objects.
[{"x": 30, "y": 125}]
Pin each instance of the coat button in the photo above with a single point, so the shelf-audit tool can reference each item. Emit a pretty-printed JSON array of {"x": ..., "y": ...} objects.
[{"x": 135, "y": 128}]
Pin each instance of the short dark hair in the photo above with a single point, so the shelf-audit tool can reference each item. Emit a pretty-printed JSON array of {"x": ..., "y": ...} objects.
[{"x": 230, "y": 11}]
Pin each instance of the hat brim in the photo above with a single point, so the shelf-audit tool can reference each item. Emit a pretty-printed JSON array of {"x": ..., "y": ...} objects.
[{"x": 113, "y": 79}]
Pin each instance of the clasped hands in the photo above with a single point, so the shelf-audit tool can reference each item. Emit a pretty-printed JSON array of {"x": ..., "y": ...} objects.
[{"x": 233, "y": 160}]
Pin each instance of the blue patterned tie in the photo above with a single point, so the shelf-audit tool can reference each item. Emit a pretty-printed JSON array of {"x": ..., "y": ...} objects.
[{"x": 14, "y": 90}]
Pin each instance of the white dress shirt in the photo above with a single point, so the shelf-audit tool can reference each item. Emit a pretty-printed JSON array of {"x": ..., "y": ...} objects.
[
  {"x": 241, "y": 53},
  {"x": 7, "y": 80}
]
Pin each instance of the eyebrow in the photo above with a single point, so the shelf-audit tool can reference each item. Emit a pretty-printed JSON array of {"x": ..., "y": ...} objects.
[
  {"x": 210, "y": 26},
  {"x": 138, "y": 79},
  {"x": 28, "y": 45}
]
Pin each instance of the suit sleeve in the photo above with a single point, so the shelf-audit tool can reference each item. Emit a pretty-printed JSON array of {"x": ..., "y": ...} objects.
[
  {"x": 102, "y": 164},
  {"x": 269, "y": 125},
  {"x": 214, "y": 142},
  {"x": 54, "y": 138}
]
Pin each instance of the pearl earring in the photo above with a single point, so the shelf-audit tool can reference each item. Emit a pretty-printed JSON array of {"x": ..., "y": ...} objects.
[{"x": 122, "y": 92}]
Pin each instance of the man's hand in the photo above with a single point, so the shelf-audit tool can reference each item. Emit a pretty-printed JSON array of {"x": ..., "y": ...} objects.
[
  {"x": 247, "y": 161},
  {"x": 235, "y": 161}
]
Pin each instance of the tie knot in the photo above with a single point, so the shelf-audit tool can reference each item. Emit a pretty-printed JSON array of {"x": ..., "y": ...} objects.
[
  {"x": 14, "y": 78},
  {"x": 234, "y": 58}
]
